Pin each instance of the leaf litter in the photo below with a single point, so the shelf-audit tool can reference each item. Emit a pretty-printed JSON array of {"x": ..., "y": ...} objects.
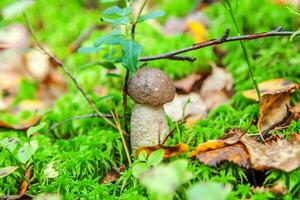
[{"x": 247, "y": 152}]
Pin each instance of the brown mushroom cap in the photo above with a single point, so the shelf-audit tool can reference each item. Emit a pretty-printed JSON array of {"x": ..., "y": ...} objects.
[{"x": 151, "y": 86}]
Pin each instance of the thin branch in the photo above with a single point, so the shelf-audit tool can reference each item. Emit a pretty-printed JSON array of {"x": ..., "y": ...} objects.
[
  {"x": 109, "y": 116},
  {"x": 182, "y": 58},
  {"x": 82, "y": 37},
  {"x": 66, "y": 70},
  {"x": 212, "y": 42},
  {"x": 170, "y": 134}
]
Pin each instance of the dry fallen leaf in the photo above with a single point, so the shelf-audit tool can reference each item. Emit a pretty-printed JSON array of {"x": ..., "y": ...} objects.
[
  {"x": 247, "y": 152},
  {"x": 296, "y": 111},
  {"x": 235, "y": 153},
  {"x": 216, "y": 88},
  {"x": 22, "y": 125},
  {"x": 185, "y": 105},
  {"x": 197, "y": 30},
  {"x": 274, "y": 104},
  {"x": 190, "y": 83},
  {"x": 271, "y": 86},
  {"x": 113, "y": 174},
  {"x": 278, "y": 189},
  {"x": 208, "y": 146},
  {"x": 280, "y": 154},
  {"x": 273, "y": 111},
  {"x": 24, "y": 184},
  {"x": 168, "y": 151}
]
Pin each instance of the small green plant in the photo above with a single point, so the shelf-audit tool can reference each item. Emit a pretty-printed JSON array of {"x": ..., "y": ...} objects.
[
  {"x": 161, "y": 180},
  {"x": 24, "y": 156}
]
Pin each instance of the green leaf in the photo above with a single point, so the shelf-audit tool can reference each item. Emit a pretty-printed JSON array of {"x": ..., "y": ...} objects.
[
  {"x": 119, "y": 21},
  {"x": 35, "y": 129},
  {"x": 156, "y": 157},
  {"x": 113, "y": 75},
  {"x": 16, "y": 8},
  {"x": 131, "y": 53},
  {"x": 143, "y": 156},
  {"x": 5, "y": 171},
  {"x": 151, "y": 15},
  {"x": 138, "y": 169},
  {"x": 9, "y": 143},
  {"x": 108, "y": 65},
  {"x": 25, "y": 153},
  {"x": 89, "y": 49},
  {"x": 114, "y": 38},
  {"x": 34, "y": 144},
  {"x": 208, "y": 191},
  {"x": 116, "y": 10},
  {"x": 106, "y": 97}
]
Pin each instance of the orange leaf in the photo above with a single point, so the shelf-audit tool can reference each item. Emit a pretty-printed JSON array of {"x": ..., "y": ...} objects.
[
  {"x": 270, "y": 87},
  {"x": 23, "y": 125},
  {"x": 169, "y": 151},
  {"x": 208, "y": 146},
  {"x": 234, "y": 153}
]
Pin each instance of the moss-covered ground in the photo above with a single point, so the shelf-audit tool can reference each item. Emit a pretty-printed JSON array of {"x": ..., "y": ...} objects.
[{"x": 85, "y": 150}]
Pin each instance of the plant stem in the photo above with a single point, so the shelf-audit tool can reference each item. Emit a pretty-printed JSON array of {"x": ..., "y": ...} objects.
[{"x": 250, "y": 67}]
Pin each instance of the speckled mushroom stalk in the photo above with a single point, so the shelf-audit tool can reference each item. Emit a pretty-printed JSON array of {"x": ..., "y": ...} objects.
[{"x": 150, "y": 89}]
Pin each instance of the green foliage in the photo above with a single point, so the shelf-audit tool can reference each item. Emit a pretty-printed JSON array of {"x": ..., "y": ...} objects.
[
  {"x": 83, "y": 151},
  {"x": 208, "y": 191}
]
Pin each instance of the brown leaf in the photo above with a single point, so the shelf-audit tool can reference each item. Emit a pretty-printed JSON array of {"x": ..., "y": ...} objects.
[
  {"x": 168, "y": 151},
  {"x": 216, "y": 88},
  {"x": 23, "y": 125},
  {"x": 278, "y": 189},
  {"x": 271, "y": 87},
  {"x": 113, "y": 174},
  {"x": 296, "y": 111},
  {"x": 234, "y": 153},
  {"x": 185, "y": 105},
  {"x": 25, "y": 184},
  {"x": 280, "y": 154},
  {"x": 190, "y": 83},
  {"x": 246, "y": 151},
  {"x": 273, "y": 109},
  {"x": 208, "y": 146}
]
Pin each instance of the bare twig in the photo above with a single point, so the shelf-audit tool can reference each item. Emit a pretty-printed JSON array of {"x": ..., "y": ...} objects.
[
  {"x": 182, "y": 58},
  {"x": 109, "y": 116},
  {"x": 66, "y": 70},
  {"x": 212, "y": 42},
  {"x": 172, "y": 132},
  {"x": 124, "y": 102},
  {"x": 83, "y": 36}
]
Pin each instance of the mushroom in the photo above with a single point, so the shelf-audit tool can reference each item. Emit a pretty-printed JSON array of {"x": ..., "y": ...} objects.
[{"x": 150, "y": 89}]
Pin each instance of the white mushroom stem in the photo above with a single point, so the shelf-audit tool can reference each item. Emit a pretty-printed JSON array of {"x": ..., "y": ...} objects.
[{"x": 148, "y": 125}]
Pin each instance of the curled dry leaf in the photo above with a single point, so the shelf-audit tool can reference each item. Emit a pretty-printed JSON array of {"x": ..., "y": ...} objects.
[
  {"x": 274, "y": 104},
  {"x": 24, "y": 184},
  {"x": 186, "y": 105},
  {"x": 168, "y": 151},
  {"x": 278, "y": 189},
  {"x": 271, "y": 87},
  {"x": 296, "y": 111},
  {"x": 247, "y": 152},
  {"x": 190, "y": 83},
  {"x": 113, "y": 174},
  {"x": 216, "y": 88},
  {"x": 23, "y": 125},
  {"x": 281, "y": 154},
  {"x": 207, "y": 146},
  {"x": 235, "y": 153}
]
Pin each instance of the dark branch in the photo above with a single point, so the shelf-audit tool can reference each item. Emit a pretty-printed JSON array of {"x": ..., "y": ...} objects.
[
  {"x": 223, "y": 39},
  {"x": 86, "y": 116}
]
